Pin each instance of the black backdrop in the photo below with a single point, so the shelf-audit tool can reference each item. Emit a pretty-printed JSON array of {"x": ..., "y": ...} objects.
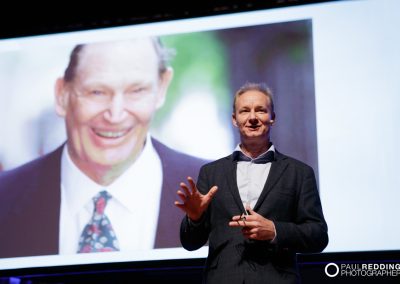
[{"x": 37, "y": 18}]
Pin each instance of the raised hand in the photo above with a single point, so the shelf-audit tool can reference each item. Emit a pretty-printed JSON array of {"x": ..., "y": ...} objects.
[{"x": 193, "y": 202}]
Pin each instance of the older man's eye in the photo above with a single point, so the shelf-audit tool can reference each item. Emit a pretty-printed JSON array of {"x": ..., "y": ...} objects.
[
  {"x": 137, "y": 90},
  {"x": 97, "y": 93}
]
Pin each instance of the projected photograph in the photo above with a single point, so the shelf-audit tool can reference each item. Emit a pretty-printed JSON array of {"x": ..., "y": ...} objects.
[{"x": 100, "y": 134}]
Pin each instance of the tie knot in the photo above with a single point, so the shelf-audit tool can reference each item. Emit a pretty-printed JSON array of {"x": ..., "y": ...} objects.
[{"x": 100, "y": 201}]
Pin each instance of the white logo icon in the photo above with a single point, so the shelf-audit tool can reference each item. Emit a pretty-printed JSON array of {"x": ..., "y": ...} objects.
[{"x": 334, "y": 274}]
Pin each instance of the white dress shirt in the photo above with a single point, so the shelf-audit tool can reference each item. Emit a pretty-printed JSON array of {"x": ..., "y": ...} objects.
[
  {"x": 132, "y": 210},
  {"x": 251, "y": 178}
]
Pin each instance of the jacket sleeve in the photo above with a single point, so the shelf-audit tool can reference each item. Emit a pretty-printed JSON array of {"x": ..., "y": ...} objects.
[
  {"x": 308, "y": 232},
  {"x": 194, "y": 235}
]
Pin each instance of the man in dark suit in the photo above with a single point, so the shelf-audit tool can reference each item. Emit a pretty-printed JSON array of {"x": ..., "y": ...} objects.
[
  {"x": 107, "y": 96},
  {"x": 30, "y": 203},
  {"x": 257, "y": 208}
]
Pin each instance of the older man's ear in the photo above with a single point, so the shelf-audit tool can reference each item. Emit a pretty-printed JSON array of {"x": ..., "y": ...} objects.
[
  {"x": 61, "y": 97},
  {"x": 165, "y": 80}
]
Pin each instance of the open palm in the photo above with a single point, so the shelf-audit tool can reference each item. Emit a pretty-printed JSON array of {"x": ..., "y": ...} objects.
[{"x": 193, "y": 202}]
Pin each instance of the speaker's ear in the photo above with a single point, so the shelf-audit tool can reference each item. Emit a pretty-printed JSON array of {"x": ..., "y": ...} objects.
[
  {"x": 61, "y": 97},
  {"x": 234, "y": 122},
  {"x": 272, "y": 120}
]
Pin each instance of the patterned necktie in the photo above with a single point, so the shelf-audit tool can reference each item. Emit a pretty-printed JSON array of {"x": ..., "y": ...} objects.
[{"x": 98, "y": 235}]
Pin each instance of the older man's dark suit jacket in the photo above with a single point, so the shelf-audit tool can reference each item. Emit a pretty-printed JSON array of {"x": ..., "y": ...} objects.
[
  {"x": 290, "y": 198},
  {"x": 30, "y": 203}
]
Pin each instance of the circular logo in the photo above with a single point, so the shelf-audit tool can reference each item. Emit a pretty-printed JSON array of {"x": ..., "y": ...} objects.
[{"x": 333, "y": 274}]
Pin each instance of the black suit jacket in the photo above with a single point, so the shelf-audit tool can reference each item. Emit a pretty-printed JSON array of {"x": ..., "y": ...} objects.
[
  {"x": 289, "y": 198},
  {"x": 30, "y": 203}
]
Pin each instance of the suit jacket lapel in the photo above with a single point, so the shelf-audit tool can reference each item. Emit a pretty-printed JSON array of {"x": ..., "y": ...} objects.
[
  {"x": 168, "y": 197},
  {"x": 231, "y": 177},
  {"x": 173, "y": 173},
  {"x": 49, "y": 185},
  {"x": 39, "y": 207},
  {"x": 277, "y": 168}
]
